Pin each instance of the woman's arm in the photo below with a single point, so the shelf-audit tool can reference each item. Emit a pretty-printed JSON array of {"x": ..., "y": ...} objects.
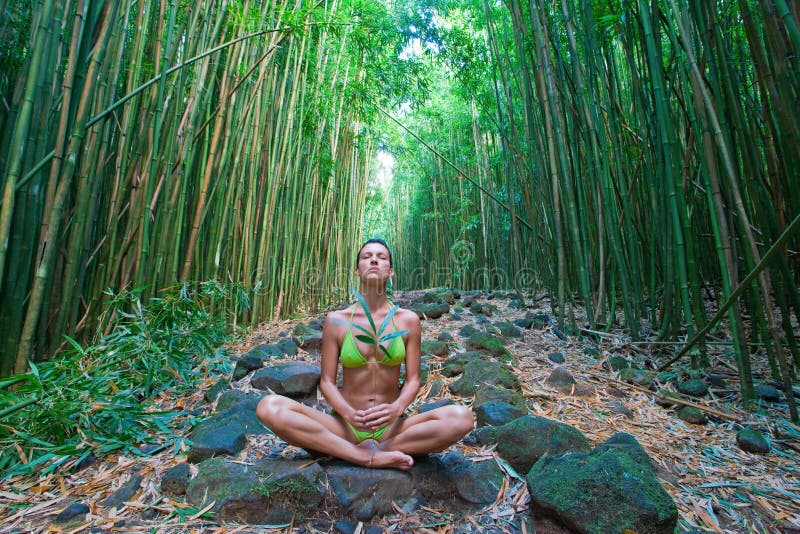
[{"x": 329, "y": 367}]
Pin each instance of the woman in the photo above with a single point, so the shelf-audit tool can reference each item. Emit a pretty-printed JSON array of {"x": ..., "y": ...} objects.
[{"x": 367, "y": 426}]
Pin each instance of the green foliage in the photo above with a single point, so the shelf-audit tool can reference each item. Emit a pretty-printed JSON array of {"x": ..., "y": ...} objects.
[{"x": 102, "y": 398}]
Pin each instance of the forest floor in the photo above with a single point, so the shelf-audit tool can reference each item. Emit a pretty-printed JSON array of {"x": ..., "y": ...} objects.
[{"x": 717, "y": 486}]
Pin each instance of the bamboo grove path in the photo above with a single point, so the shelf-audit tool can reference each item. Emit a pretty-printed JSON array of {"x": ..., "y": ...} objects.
[{"x": 716, "y": 486}]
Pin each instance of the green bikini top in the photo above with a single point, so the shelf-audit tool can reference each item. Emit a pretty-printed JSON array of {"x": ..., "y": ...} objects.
[{"x": 351, "y": 357}]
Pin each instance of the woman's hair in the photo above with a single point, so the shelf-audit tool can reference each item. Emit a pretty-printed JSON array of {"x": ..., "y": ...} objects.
[{"x": 380, "y": 242}]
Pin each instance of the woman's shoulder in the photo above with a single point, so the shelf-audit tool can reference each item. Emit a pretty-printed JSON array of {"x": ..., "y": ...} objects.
[{"x": 407, "y": 317}]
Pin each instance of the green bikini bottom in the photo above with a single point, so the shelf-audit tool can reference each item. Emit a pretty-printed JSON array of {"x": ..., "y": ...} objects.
[{"x": 361, "y": 435}]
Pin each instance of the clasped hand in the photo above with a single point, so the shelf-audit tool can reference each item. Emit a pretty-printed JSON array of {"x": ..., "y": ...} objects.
[{"x": 376, "y": 417}]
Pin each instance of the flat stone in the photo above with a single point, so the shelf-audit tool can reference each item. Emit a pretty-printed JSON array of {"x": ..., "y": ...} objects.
[
  {"x": 752, "y": 441},
  {"x": 613, "y": 488},
  {"x": 293, "y": 379}
]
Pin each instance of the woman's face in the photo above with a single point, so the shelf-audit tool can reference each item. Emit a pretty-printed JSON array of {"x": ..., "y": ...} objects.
[{"x": 373, "y": 262}]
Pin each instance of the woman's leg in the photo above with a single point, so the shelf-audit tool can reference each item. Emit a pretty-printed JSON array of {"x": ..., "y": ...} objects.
[
  {"x": 308, "y": 428},
  {"x": 431, "y": 431}
]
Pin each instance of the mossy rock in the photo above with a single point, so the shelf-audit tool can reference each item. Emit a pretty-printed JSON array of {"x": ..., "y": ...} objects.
[
  {"x": 526, "y": 439},
  {"x": 454, "y": 365},
  {"x": 507, "y": 329},
  {"x": 695, "y": 387},
  {"x": 752, "y": 441},
  {"x": 434, "y": 348},
  {"x": 479, "y": 373},
  {"x": 610, "y": 489},
  {"x": 487, "y": 393},
  {"x": 488, "y": 343},
  {"x": 636, "y": 376}
]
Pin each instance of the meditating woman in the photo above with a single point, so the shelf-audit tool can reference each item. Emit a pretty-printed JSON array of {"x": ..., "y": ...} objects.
[{"x": 368, "y": 426}]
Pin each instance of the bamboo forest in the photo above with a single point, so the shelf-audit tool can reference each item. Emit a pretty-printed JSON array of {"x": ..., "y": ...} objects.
[{"x": 611, "y": 182}]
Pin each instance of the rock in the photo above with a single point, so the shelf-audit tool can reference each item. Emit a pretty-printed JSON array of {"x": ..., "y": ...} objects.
[
  {"x": 126, "y": 492},
  {"x": 216, "y": 390},
  {"x": 454, "y": 365},
  {"x": 73, "y": 511},
  {"x": 496, "y": 413},
  {"x": 768, "y": 393},
  {"x": 540, "y": 320},
  {"x": 232, "y": 397},
  {"x": 434, "y": 348},
  {"x": 261, "y": 354},
  {"x": 293, "y": 379},
  {"x": 480, "y": 373},
  {"x": 516, "y": 303},
  {"x": 692, "y": 415},
  {"x": 636, "y": 376},
  {"x": 561, "y": 378},
  {"x": 269, "y": 492},
  {"x": 445, "y": 337},
  {"x": 430, "y": 305},
  {"x": 696, "y": 387},
  {"x": 507, "y": 329},
  {"x": 617, "y": 363},
  {"x": 482, "y": 309},
  {"x": 449, "y": 476},
  {"x": 365, "y": 492},
  {"x": 610, "y": 489},
  {"x": 620, "y": 408},
  {"x": 287, "y": 346},
  {"x": 556, "y": 357},
  {"x": 752, "y": 441},
  {"x": 523, "y": 322},
  {"x": 524, "y": 440},
  {"x": 488, "y": 343},
  {"x": 176, "y": 479},
  {"x": 468, "y": 330},
  {"x": 307, "y": 337},
  {"x": 665, "y": 399},
  {"x": 717, "y": 381},
  {"x": 210, "y": 441},
  {"x": 485, "y": 393},
  {"x": 428, "y": 406},
  {"x": 484, "y": 435}
]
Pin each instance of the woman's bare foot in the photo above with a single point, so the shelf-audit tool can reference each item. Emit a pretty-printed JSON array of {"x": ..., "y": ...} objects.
[
  {"x": 394, "y": 459},
  {"x": 380, "y": 458}
]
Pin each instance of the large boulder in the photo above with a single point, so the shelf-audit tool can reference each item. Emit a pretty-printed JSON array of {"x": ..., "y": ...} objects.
[
  {"x": 453, "y": 479},
  {"x": 272, "y": 491},
  {"x": 523, "y": 441},
  {"x": 490, "y": 343},
  {"x": 293, "y": 379},
  {"x": 224, "y": 433},
  {"x": 610, "y": 489}
]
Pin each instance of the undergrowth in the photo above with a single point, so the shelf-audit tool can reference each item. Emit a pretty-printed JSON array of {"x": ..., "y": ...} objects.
[{"x": 101, "y": 398}]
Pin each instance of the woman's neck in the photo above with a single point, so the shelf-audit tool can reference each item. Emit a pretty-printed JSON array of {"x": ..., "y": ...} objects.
[{"x": 374, "y": 296}]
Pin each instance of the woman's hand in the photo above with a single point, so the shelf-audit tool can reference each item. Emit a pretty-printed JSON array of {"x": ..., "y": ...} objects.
[{"x": 376, "y": 417}]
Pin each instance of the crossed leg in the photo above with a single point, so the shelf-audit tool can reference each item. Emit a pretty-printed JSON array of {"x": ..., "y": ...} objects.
[
  {"x": 431, "y": 431},
  {"x": 305, "y": 427}
]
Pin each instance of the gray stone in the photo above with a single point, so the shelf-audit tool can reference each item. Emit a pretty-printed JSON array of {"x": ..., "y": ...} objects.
[
  {"x": 752, "y": 441},
  {"x": 556, "y": 357},
  {"x": 216, "y": 390},
  {"x": 430, "y": 310},
  {"x": 487, "y": 392},
  {"x": 73, "y": 511},
  {"x": 484, "y": 435},
  {"x": 524, "y": 322},
  {"x": 496, "y": 413},
  {"x": 434, "y": 348},
  {"x": 561, "y": 378},
  {"x": 126, "y": 492},
  {"x": 468, "y": 330},
  {"x": 768, "y": 393},
  {"x": 176, "y": 479},
  {"x": 507, "y": 329},
  {"x": 232, "y": 397},
  {"x": 526, "y": 439},
  {"x": 636, "y": 376},
  {"x": 365, "y": 492},
  {"x": 692, "y": 415},
  {"x": 215, "y": 440},
  {"x": 307, "y": 337},
  {"x": 696, "y": 387},
  {"x": 611, "y": 489},
  {"x": 454, "y": 365},
  {"x": 452, "y": 477},
  {"x": 293, "y": 379},
  {"x": 271, "y": 491}
]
